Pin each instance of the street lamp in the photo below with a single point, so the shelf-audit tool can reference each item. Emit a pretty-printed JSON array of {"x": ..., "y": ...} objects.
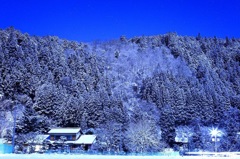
[{"x": 215, "y": 135}]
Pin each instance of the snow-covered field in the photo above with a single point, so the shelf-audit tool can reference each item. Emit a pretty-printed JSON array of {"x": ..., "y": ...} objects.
[{"x": 61, "y": 156}]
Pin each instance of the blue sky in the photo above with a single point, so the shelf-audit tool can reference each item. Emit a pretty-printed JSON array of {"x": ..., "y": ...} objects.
[{"x": 90, "y": 20}]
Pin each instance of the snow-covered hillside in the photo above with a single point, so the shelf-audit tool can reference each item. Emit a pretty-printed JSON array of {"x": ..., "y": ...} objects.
[{"x": 149, "y": 89}]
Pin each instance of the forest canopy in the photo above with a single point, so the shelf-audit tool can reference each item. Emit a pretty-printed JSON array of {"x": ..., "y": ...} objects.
[{"x": 146, "y": 88}]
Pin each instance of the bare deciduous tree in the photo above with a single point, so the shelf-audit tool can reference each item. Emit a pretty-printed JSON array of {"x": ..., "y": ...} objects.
[{"x": 143, "y": 136}]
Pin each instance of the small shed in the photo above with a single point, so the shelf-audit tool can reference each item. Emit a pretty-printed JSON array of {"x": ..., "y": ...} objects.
[
  {"x": 86, "y": 141},
  {"x": 5, "y": 147},
  {"x": 181, "y": 138},
  {"x": 183, "y": 134}
]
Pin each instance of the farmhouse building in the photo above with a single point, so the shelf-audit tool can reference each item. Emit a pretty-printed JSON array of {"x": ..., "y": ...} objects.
[
  {"x": 71, "y": 134},
  {"x": 73, "y": 137}
]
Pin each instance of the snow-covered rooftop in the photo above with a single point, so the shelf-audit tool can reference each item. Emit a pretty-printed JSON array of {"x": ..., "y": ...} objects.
[
  {"x": 64, "y": 130},
  {"x": 86, "y": 139},
  {"x": 182, "y": 139}
]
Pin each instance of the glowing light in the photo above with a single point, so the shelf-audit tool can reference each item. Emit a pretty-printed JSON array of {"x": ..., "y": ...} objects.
[{"x": 215, "y": 132}]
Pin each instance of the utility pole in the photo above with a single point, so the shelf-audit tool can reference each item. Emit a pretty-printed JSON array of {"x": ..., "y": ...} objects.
[
  {"x": 14, "y": 128},
  {"x": 215, "y": 145},
  {"x": 14, "y": 111}
]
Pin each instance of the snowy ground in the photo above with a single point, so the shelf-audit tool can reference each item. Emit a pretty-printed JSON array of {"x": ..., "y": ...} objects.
[{"x": 61, "y": 156}]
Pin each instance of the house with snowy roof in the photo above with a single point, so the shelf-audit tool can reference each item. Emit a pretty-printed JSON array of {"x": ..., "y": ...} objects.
[
  {"x": 72, "y": 137},
  {"x": 71, "y": 134}
]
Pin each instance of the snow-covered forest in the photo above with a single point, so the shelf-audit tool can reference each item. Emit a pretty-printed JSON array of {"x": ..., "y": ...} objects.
[{"x": 135, "y": 94}]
